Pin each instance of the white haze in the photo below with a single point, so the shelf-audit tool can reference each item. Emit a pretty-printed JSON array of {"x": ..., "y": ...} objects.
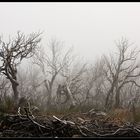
[{"x": 91, "y": 28}]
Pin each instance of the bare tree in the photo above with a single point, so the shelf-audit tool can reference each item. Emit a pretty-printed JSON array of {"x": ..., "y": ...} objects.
[
  {"x": 121, "y": 70},
  {"x": 94, "y": 80},
  {"x": 73, "y": 83},
  {"x": 52, "y": 62},
  {"x": 13, "y": 52}
]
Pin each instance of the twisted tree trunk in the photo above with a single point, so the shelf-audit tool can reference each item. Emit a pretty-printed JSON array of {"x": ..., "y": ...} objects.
[{"x": 16, "y": 93}]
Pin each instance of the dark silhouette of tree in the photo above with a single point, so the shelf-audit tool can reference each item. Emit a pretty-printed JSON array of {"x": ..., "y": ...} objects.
[
  {"x": 13, "y": 52},
  {"x": 121, "y": 70}
]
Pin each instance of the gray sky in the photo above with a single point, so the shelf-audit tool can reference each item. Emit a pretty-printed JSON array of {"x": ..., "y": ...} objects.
[{"x": 91, "y": 28}]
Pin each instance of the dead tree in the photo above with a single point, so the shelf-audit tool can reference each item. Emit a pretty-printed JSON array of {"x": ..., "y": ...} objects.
[
  {"x": 13, "y": 52},
  {"x": 64, "y": 90},
  {"x": 121, "y": 70},
  {"x": 51, "y": 63},
  {"x": 94, "y": 80},
  {"x": 73, "y": 83}
]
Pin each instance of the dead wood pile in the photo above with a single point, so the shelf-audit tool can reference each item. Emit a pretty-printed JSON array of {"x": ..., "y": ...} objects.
[{"x": 65, "y": 126}]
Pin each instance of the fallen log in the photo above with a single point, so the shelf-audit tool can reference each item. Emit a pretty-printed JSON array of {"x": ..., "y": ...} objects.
[{"x": 27, "y": 126}]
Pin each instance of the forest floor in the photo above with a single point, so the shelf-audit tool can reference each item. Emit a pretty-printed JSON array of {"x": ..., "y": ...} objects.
[{"x": 69, "y": 125}]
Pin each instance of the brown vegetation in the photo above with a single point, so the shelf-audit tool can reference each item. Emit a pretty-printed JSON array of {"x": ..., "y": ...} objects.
[{"x": 59, "y": 83}]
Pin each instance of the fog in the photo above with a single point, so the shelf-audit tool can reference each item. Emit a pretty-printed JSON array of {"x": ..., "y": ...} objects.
[
  {"x": 91, "y": 28},
  {"x": 39, "y": 68}
]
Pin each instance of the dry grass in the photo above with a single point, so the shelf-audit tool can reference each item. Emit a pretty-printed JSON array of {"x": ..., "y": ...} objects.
[{"x": 121, "y": 116}]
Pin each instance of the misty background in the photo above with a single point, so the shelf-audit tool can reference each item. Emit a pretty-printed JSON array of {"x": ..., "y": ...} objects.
[
  {"x": 91, "y": 28},
  {"x": 81, "y": 55}
]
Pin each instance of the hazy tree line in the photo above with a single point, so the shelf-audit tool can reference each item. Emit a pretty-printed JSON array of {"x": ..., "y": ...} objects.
[{"x": 56, "y": 79}]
